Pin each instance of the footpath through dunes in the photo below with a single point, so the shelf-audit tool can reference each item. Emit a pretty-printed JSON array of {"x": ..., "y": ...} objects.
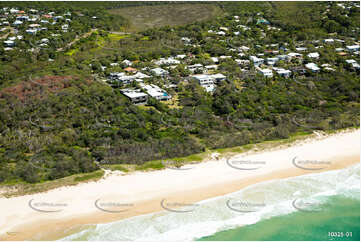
[
  {"x": 145, "y": 191},
  {"x": 172, "y": 14}
]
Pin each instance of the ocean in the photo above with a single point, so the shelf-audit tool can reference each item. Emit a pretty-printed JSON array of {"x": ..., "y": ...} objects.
[{"x": 320, "y": 206}]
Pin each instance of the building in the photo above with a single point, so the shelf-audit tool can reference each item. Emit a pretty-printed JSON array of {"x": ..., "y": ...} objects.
[
  {"x": 156, "y": 92},
  {"x": 218, "y": 77},
  {"x": 195, "y": 67},
  {"x": 314, "y": 55},
  {"x": 256, "y": 61},
  {"x": 282, "y": 72},
  {"x": 265, "y": 72},
  {"x": 9, "y": 43},
  {"x": 135, "y": 95},
  {"x": 312, "y": 66},
  {"x": 169, "y": 61},
  {"x": 272, "y": 61},
  {"x": 206, "y": 81},
  {"x": 159, "y": 71},
  {"x": 353, "y": 48}
]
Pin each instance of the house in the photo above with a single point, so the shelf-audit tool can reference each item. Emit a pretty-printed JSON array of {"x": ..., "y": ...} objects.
[
  {"x": 293, "y": 55},
  {"x": 354, "y": 64},
  {"x": 135, "y": 95},
  {"x": 9, "y": 43},
  {"x": 31, "y": 31},
  {"x": 211, "y": 67},
  {"x": 299, "y": 69},
  {"x": 181, "y": 56},
  {"x": 243, "y": 48},
  {"x": 256, "y": 61},
  {"x": 282, "y": 57},
  {"x": 159, "y": 71},
  {"x": 314, "y": 55},
  {"x": 186, "y": 40},
  {"x": 17, "y": 22},
  {"x": 272, "y": 61},
  {"x": 265, "y": 72},
  {"x": 127, "y": 62},
  {"x": 244, "y": 28},
  {"x": 353, "y": 48},
  {"x": 195, "y": 67},
  {"x": 218, "y": 77},
  {"x": 156, "y": 92},
  {"x": 141, "y": 75},
  {"x": 206, "y": 81},
  {"x": 282, "y": 72},
  {"x": 329, "y": 41},
  {"x": 169, "y": 61},
  {"x": 242, "y": 62},
  {"x": 130, "y": 70},
  {"x": 215, "y": 59},
  {"x": 312, "y": 66},
  {"x": 301, "y": 49},
  {"x": 262, "y": 21}
]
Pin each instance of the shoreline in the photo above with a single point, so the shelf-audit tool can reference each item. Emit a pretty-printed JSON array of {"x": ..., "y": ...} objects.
[{"x": 205, "y": 180}]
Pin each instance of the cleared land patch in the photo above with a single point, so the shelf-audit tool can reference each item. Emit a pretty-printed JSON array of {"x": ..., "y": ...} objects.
[{"x": 144, "y": 17}]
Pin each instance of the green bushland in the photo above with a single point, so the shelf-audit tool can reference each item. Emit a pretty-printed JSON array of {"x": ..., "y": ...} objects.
[{"x": 64, "y": 127}]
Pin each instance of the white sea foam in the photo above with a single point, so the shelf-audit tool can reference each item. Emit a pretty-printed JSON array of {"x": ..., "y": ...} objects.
[{"x": 213, "y": 215}]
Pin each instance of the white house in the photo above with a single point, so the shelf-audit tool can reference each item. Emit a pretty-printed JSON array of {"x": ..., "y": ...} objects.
[
  {"x": 301, "y": 49},
  {"x": 31, "y": 31},
  {"x": 168, "y": 61},
  {"x": 272, "y": 61},
  {"x": 329, "y": 41},
  {"x": 294, "y": 55},
  {"x": 9, "y": 43},
  {"x": 314, "y": 55},
  {"x": 256, "y": 61},
  {"x": 141, "y": 75},
  {"x": 206, "y": 81},
  {"x": 282, "y": 72},
  {"x": 195, "y": 67},
  {"x": 265, "y": 72},
  {"x": 312, "y": 66},
  {"x": 215, "y": 59},
  {"x": 159, "y": 71},
  {"x": 135, "y": 95},
  {"x": 353, "y": 48},
  {"x": 17, "y": 22},
  {"x": 211, "y": 67},
  {"x": 181, "y": 56},
  {"x": 156, "y": 92},
  {"x": 218, "y": 77}
]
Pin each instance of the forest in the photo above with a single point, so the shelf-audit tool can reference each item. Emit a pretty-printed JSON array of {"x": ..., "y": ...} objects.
[{"x": 58, "y": 119}]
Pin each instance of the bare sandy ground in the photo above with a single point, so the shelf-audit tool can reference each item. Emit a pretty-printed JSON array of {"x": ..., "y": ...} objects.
[{"x": 63, "y": 211}]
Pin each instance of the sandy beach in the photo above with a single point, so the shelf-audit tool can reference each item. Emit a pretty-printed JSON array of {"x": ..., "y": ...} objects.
[{"x": 63, "y": 211}]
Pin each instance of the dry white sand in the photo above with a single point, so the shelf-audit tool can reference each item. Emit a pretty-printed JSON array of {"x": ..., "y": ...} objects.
[{"x": 142, "y": 192}]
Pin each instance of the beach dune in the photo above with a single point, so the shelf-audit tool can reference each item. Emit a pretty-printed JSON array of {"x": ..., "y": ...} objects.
[{"x": 63, "y": 211}]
